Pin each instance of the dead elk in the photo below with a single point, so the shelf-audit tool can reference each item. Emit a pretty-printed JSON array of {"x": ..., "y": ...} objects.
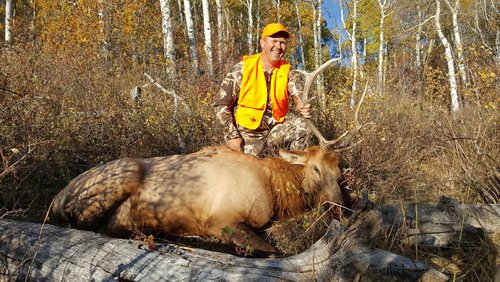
[{"x": 201, "y": 194}]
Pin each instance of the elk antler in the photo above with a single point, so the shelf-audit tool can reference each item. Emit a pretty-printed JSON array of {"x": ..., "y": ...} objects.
[
  {"x": 357, "y": 126},
  {"x": 309, "y": 79}
]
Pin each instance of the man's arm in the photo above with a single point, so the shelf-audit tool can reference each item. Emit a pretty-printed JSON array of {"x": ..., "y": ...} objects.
[{"x": 225, "y": 103}]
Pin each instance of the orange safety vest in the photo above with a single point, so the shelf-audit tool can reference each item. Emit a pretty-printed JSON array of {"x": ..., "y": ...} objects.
[{"x": 253, "y": 92}]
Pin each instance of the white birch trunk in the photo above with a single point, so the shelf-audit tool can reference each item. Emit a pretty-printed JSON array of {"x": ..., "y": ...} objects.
[
  {"x": 352, "y": 38},
  {"x": 354, "y": 59},
  {"x": 318, "y": 26},
  {"x": 418, "y": 42},
  {"x": 341, "y": 31},
  {"x": 220, "y": 32},
  {"x": 208, "y": 36},
  {"x": 191, "y": 35},
  {"x": 258, "y": 25},
  {"x": 317, "y": 11},
  {"x": 380, "y": 87},
  {"x": 320, "y": 79},
  {"x": 8, "y": 20},
  {"x": 249, "y": 5},
  {"x": 315, "y": 36},
  {"x": 168, "y": 35},
  {"x": 384, "y": 76},
  {"x": 449, "y": 59},
  {"x": 497, "y": 44},
  {"x": 181, "y": 16},
  {"x": 458, "y": 40},
  {"x": 301, "y": 40},
  {"x": 33, "y": 17}
]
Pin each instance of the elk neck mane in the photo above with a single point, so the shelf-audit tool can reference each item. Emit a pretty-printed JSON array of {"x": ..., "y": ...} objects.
[{"x": 286, "y": 187}]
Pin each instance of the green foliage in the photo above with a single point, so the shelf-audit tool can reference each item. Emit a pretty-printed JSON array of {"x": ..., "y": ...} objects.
[{"x": 227, "y": 231}]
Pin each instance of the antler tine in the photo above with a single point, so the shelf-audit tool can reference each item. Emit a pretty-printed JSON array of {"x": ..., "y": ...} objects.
[
  {"x": 309, "y": 76},
  {"x": 357, "y": 125}
]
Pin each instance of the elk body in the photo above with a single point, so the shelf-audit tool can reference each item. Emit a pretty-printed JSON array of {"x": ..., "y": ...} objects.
[{"x": 202, "y": 193}]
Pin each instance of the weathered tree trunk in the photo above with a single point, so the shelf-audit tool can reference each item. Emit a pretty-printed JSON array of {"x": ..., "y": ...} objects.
[
  {"x": 449, "y": 59},
  {"x": 383, "y": 4},
  {"x": 354, "y": 59},
  {"x": 49, "y": 253},
  {"x": 299, "y": 34},
  {"x": 168, "y": 36},
  {"x": 191, "y": 35},
  {"x": 352, "y": 38},
  {"x": 258, "y": 26},
  {"x": 418, "y": 39},
  {"x": 207, "y": 31},
  {"x": 8, "y": 20},
  {"x": 249, "y": 5},
  {"x": 220, "y": 34},
  {"x": 320, "y": 80},
  {"x": 457, "y": 38}
]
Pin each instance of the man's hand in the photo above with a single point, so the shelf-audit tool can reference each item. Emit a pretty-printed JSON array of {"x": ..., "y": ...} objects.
[
  {"x": 304, "y": 109},
  {"x": 235, "y": 144}
]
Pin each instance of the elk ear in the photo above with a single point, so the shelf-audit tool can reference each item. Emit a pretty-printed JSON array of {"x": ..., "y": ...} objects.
[{"x": 293, "y": 157}]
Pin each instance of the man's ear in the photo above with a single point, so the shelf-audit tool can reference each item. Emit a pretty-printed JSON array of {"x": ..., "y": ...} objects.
[
  {"x": 261, "y": 43},
  {"x": 293, "y": 157}
]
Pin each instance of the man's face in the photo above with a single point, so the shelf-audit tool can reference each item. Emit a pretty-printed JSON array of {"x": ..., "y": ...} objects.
[{"x": 273, "y": 48}]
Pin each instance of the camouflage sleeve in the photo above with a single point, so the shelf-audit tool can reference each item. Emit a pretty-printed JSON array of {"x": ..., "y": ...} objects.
[
  {"x": 295, "y": 85},
  {"x": 226, "y": 100}
]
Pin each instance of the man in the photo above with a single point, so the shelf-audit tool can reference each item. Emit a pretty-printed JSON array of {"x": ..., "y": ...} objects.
[{"x": 254, "y": 99}]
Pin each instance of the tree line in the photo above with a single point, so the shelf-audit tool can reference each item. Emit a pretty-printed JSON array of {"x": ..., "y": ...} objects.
[{"x": 456, "y": 39}]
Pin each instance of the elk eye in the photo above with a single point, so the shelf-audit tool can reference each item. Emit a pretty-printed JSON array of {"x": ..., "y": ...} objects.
[{"x": 317, "y": 170}]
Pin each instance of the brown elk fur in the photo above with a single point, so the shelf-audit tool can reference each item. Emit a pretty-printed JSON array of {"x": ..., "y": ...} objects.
[
  {"x": 201, "y": 193},
  {"x": 288, "y": 198}
]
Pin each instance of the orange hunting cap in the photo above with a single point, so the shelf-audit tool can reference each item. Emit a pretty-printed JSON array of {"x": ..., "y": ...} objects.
[{"x": 274, "y": 28}]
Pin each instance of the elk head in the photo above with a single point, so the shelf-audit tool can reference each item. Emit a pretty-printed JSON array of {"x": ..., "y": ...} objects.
[
  {"x": 332, "y": 158},
  {"x": 321, "y": 172}
]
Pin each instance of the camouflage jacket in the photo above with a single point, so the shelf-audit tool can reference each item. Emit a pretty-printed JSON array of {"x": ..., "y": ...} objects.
[{"x": 226, "y": 102}]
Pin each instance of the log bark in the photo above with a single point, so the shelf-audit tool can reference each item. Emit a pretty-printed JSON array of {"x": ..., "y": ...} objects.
[{"x": 30, "y": 251}]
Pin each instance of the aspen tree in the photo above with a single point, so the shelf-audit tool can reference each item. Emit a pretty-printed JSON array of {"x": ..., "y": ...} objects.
[
  {"x": 207, "y": 30},
  {"x": 8, "y": 19},
  {"x": 168, "y": 37},
  {"x": 191, "y": 35},
  {"x": 449, "y": 59}
]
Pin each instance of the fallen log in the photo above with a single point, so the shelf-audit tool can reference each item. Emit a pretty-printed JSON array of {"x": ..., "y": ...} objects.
[
  {"x": 30, "y": 251},
  {"x": 441, "y": 224}
]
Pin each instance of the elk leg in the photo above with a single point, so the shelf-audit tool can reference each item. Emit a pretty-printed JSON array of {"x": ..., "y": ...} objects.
[{"x": 244, "y": 236}]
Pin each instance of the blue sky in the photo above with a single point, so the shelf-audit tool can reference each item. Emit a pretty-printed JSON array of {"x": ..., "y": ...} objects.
[{"x": 331, "y": 13}]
